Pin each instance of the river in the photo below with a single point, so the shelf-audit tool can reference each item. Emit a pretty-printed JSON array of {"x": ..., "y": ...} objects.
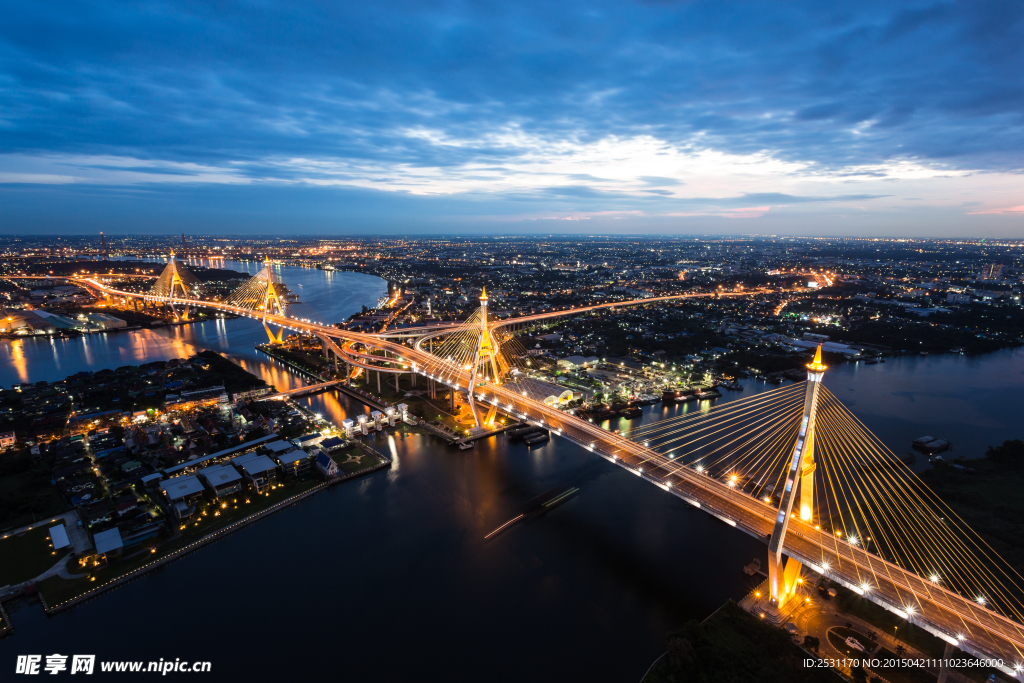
[{"x": 389, "y": 576}]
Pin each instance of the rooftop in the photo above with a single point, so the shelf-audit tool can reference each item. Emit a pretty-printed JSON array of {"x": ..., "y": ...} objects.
[
  {"x": 279, "y": 446},
  {"x": 59, "y": 536},
  {"x": 108, "y": 540},
  {"x": 260, "y": 463},
  {"x": 218, "y": 475},
  {"x": 291, "y": 456},
  {"x": 179, "y": 487}
]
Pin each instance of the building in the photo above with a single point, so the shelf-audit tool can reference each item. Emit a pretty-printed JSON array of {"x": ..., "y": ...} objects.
[
  {"x": 294, "y": 463},
  {"x": 182, "y": 494},
  {"x": 59, "y": 537},
  {"x": 108, "y": 543},
  {"x": 221, "y": 480},
  {"x": 259, "y": 470},
  {"x": 152, "y": 479},
  {"x": 193, "y": 465},
  {"x": 307, "y": 440},
  {"x": 8, "y": 439},
  {"x": 991, "y": 271},
  {"x": 325, "y": 465},
  {"x": 25, "y": 322},
  {"x": 105, "y": 322},
  {"x": 276, "y": 448},
  {"x": 65, "y": 323},
  {"x": 574, "y": 362},
  {"x": 332, "y": 444}
]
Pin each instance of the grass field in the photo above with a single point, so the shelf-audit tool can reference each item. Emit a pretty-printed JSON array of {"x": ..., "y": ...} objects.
[
  {"x": 360, "y": 462},
  {"x": 733, "y": 645},
  {"x": 27, "y": 555},
  {"x": 27, "y": 496}
]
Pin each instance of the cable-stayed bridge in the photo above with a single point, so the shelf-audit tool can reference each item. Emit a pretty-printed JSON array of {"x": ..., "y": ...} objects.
[{"x": 792, "y": 467}]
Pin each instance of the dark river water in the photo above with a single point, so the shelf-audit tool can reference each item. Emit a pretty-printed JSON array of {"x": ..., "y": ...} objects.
[{"x": 389, "y": 577}]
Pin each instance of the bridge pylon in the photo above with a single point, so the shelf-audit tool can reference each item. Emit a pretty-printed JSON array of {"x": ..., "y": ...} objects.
[
  {"x": 175, "y": 282},
  {"x": 264, "y": 294},
  {"x": 274, "y": 303},
  {"x": 783, "y": 578},
  {"x": 487, "y": 356}
]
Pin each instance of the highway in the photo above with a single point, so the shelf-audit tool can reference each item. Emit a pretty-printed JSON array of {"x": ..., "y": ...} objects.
[{"x": 956, "y": 619}]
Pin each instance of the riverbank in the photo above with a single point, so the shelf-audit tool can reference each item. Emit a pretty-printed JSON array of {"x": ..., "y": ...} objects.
[
  {"x": 303, "y": 364},
  {"x": 985, "y": 494},
  {"x": 61, "y": 591}
]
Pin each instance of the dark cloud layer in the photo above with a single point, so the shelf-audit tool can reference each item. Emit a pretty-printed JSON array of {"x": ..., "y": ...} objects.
[
  {"x": 937, "y": 80},
  {"x": 830, "y": 84}
]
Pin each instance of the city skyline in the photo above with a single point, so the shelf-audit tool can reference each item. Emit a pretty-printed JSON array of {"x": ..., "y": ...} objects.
[{"x": 618, "y": 118}]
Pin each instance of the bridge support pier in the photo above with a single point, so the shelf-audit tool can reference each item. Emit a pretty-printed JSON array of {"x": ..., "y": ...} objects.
[{"x": 943, "y": 669}]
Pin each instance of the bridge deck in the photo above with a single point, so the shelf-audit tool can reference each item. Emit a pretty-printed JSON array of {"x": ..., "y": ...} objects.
[{"x": 955, "y": 618}]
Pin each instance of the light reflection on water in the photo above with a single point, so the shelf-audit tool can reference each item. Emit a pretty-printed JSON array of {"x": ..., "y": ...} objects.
[
  {"x": 337, "y": 295},
  {"x": 394, "y": 568}
]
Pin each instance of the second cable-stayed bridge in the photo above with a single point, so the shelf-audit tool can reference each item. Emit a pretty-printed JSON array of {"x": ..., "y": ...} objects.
[{"x": 905, "y": 552}]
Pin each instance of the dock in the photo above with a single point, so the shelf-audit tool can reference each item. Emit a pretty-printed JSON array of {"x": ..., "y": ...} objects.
[
  {"x": 485, "y": 434},
  {"x": 308, "y": 389}
]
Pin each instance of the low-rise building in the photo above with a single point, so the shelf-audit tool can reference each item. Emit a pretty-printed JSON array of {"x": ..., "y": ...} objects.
[
  {"x": 307, "y": 440},
  {"x": 295, "y": 463},
  {"x": 221, "y": 480},
  {"x": 106, "y": 322},
  {"x": 59, "y": 537},
  {"x": 25, "y": 322},
  {"x": 108, "y": 543},
  {"x": 259, "y": 470},
  {"x": 332, "y": 444},
  {"x": 182, "y": 494},
  {"x": 325, "y": 465}
]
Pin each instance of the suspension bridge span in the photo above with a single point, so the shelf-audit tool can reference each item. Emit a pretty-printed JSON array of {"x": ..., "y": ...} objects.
[{"x": 802, "y": 450}]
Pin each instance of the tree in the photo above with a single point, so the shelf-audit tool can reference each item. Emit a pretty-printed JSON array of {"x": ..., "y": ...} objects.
[
  {"x": 680, "y": 647},
  {"x": 811, "y": 643},
  {"x": 859, "y": 675},
  {"x": 1009, "y": 453}
]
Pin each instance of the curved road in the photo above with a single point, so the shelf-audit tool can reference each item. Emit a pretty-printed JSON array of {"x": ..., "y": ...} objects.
[{"x": 948, "y": 615}]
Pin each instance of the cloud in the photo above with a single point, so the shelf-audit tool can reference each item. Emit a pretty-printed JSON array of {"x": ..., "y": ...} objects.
[
  {"x": 574, "y": 106},
  {"x": 1011, "y": 210}
]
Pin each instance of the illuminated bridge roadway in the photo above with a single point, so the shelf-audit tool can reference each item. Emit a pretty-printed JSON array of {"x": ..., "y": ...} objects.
[{"x": 956, "y": 619}]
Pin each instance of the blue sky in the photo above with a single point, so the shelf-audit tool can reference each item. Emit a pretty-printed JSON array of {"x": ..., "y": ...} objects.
[{"x": 854, "y": 118}]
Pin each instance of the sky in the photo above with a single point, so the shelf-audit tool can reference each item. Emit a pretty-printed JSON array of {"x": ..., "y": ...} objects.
[{"x": 598, "y": 117}]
